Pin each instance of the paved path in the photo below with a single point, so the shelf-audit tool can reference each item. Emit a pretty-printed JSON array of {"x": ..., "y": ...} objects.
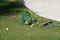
[{"x": 45, "y": 8}]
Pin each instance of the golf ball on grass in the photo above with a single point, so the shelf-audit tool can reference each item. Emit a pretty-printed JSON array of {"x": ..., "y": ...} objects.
[
  {"x": 32, "y": 25},
  {"x": 7, "y": 28}
]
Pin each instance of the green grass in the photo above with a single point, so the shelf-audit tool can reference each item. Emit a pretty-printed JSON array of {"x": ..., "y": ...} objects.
[{"x": 18, "y": 31}]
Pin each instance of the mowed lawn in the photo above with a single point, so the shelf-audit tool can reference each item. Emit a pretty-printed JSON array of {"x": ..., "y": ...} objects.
[{"x": 18, "y": 31}]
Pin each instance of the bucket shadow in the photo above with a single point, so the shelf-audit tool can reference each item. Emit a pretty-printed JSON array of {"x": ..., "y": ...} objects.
[{"x": 7, "y": 9}]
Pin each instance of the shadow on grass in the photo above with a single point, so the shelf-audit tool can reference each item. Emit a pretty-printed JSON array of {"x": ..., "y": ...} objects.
[{"x": 10, "y": 8}]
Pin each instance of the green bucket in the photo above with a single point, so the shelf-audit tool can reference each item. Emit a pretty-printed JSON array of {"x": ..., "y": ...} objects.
[{"x": 26, "y": 18}]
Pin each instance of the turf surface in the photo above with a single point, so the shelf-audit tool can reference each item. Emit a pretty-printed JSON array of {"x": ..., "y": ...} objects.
[{"x": 18, "y": 31}]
